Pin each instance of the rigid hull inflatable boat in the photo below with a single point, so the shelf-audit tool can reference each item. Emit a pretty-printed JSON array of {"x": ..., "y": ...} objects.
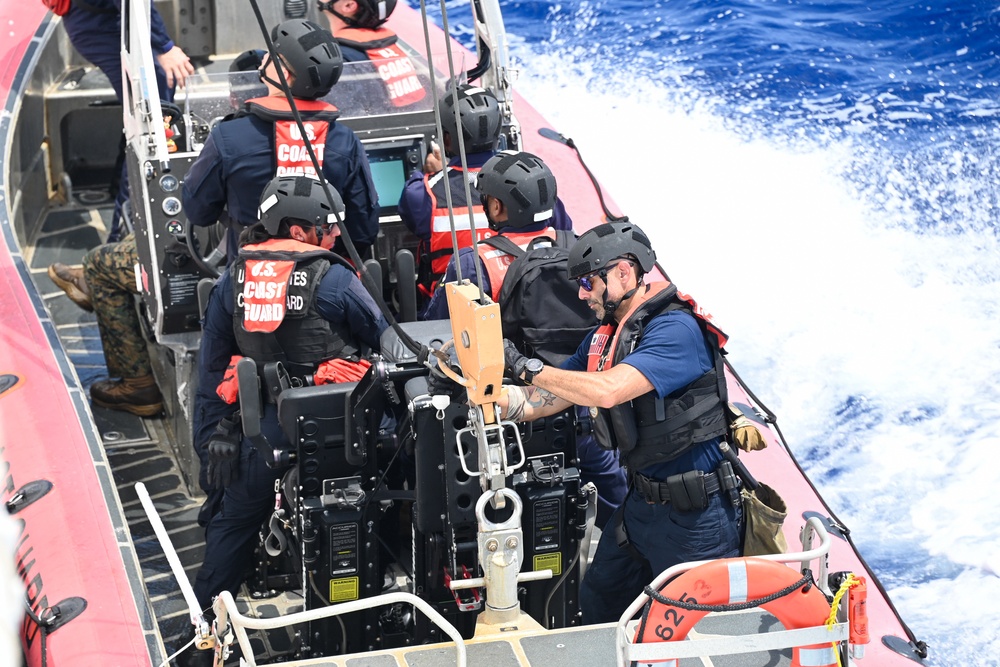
[{"x": 106, "y": 579}]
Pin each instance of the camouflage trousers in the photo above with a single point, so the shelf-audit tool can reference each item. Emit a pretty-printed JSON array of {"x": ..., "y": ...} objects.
[{"x": 110, "y": 273}]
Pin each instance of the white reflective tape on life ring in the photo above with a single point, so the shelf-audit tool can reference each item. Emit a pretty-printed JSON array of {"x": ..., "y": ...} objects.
[
  {"x": 817, "y": 657},
  {"x": 738, "y": 582}
]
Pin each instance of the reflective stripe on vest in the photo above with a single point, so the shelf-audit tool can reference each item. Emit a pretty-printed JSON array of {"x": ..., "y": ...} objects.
[{"x": 440, "y": 243}]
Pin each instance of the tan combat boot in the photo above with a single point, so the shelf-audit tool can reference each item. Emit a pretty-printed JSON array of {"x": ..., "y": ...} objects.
[
  {"x": 140, "y": 396},
  {"x": 70, "y": 280}
]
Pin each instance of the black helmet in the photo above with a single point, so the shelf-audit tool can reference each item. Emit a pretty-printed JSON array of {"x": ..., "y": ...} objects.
[
  {"x": 311, "y": 54},
  {"x": 373, "y": 13},
  {"x": 523, "y": 183},
  {"x": 248, "y": 61},
  {"x": 480, "y": 118},
  {"x": 299, "y": 197},
  {"x": 243, "y": 85},
  {"x": 597, "y": 247}
]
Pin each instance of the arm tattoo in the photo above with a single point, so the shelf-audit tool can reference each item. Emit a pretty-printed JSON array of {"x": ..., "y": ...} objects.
[{"x": 541, "y": 397}]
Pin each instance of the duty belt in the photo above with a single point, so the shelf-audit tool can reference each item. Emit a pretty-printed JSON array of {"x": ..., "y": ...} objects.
[{"x": 687, "y": 491}]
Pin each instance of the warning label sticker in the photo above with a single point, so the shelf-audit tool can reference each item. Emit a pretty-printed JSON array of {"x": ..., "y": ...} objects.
[
  {"x": 344, "y": 590},
  {"x": 549, "y": 562}
]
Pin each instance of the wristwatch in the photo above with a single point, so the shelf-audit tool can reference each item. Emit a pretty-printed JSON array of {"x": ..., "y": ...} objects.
[{"x": 532, "y": 367}]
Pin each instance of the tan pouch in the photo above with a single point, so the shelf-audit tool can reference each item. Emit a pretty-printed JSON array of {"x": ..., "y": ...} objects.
[{"x": 763, "y": 511}]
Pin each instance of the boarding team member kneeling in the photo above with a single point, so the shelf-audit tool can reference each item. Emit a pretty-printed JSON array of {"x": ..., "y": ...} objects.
[{"x": 650, "y": 364}]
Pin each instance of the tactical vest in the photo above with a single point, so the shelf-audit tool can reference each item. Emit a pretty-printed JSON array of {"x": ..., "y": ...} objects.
[
  {"x": 650, "y": 430},
  {"x": 497, "y": 261},
  {"x": 440, "y": 244},
  {"x": 394, "y": 67},
  {"x": 274, "y": 306},
  {"x": 291, "y": 158}
]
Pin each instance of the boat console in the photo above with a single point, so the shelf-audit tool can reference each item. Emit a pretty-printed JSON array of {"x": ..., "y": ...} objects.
[{"x": 175, "y": 257}]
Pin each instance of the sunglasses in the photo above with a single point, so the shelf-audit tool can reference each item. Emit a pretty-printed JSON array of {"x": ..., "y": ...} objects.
[
  {"x": 324, "y": 229},
  {"x": 587, "y": 282}
]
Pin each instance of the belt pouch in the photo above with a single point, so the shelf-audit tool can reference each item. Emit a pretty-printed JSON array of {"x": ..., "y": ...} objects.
[{"x": 687, "y": 491}]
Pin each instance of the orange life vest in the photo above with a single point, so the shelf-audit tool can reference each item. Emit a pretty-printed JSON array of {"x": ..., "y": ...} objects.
[
  {"x": 497, "y": 261},
  {"x": 393, "y": 66},
  {"x": 274, "y": 308},
  {"x": 290, "y": 154},
  {"x": 440, "y": 242},
  {"x": 599, "y": 357}
]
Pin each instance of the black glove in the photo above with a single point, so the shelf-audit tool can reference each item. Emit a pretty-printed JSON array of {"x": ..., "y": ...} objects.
[
  {"x": 439, "y": 383},
  {"x": 224, "y": 452},
  {"x": 513, "y": 360}
]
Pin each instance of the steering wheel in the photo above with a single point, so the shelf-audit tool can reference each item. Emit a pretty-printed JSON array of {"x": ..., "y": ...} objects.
[{"x": 209, "y": 264}]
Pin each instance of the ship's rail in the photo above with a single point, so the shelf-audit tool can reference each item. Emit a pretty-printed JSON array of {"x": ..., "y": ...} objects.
[
  {"x": 629, "y": 652},
  {"x": 226, "y": 610}
]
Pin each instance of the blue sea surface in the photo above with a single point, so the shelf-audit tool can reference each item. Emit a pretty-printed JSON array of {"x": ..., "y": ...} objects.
[{"x": 823, "y": 177}]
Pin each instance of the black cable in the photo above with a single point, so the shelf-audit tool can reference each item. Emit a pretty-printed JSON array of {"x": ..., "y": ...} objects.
[
  {"x": 805, "y": 582},
  {"x": 549, "y": 133}
]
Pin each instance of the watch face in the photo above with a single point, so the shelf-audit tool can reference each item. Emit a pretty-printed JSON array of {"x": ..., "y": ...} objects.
[{"x": 534, "y": 365}]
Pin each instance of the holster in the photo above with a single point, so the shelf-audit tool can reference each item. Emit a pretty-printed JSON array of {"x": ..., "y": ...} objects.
[{"x": 276, "y": 380}]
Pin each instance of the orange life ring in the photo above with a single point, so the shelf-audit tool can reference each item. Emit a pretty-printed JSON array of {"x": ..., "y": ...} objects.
[{"x": 732, "y": 581}]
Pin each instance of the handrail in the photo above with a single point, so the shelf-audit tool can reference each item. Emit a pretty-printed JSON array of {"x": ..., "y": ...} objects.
[
  {"x": 733, "y": 644},
  {"x": 225, "y": 607},
  {"x": 202, "y": 637},
  {"x": 813, "y": 526}
]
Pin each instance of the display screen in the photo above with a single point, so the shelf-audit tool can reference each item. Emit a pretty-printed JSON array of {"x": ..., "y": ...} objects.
[{"x": 389, "y": 175}]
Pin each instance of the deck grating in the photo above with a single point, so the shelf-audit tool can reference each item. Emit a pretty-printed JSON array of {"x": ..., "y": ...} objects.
[{"x": 133, "y": 452}]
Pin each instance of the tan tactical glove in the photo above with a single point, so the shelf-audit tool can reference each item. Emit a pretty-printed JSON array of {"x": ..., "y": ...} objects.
[{"x": 744, "y": 431}]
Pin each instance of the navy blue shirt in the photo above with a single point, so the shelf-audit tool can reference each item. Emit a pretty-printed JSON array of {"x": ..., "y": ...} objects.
[
  {"x": 351, "y": 54},
  {"x": 437, "y": 307},
  {"x": 238, "y": 161},
  {"x": 340, "y": 297},
  {"x": 415, "y": 207},
  {"x": 672, "y": 353},
  {"x": 104, "y": 26},
  {"x": 416, "y": 210},
  {"x": 96, "y": 35}
]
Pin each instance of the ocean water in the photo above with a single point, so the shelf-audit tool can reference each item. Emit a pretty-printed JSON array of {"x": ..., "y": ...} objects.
[{"x": 823, "y": 177}]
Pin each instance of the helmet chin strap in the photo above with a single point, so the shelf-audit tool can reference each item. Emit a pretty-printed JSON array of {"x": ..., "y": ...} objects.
[
  {"x": 266, "y": 79},
  {"x": 263, "y": 72},
  {"x": 611, "y": 306},
  {"x": 351, "y": 22}
]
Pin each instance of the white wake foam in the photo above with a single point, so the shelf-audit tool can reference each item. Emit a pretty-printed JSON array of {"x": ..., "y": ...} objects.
[{"x": 866, "y": 324}]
